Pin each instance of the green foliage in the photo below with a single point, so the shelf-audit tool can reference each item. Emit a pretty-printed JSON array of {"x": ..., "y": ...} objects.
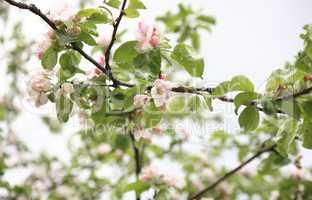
[
  {"x": 64, "y": 108},
  {"x": 286, "y": 136},
  {"x": 194, "y": 66},
  {"x": 133, "y": 7},
  {"x": 113, "y": 3},
  {"x": 49, "y": 58},
  {"x": 69, "y": 62},
  {"x": 249, "y": 118},
  {"x": 187, "y": 24},
  {"x": 244, "y": 98},
  {"x": 237, "y": 83}
]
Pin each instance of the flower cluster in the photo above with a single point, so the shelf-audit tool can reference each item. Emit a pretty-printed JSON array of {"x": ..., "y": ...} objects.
[
  {"x": 152, "y": 173},
  {"x": 148, "y": 38},
  {"x": 38, "y": 85}
]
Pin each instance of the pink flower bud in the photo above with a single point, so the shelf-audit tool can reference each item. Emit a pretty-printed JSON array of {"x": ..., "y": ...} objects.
[
  {"x": 143, "y": 28},
  {"x": 102, "y": 60}
]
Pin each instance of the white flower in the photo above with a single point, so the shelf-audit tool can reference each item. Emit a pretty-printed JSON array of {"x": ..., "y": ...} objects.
[
  {"x": 104, "y": 149},
  {"x": 160, "y": 92},
  {"x": 66, "y": 88},
  {"x": 40, "y": 81},
  {"x": 173, "y": 180},
  {"x": 140, "y": 100},
  {"x": 142, "y": 133},
  {"x": 148, "y": 173},
  {"x": 61, "y": 13},
  {"x": 103, "y": 41},
  {"x": 93, "y": 73},
  {"x": 38, "y": 85}
]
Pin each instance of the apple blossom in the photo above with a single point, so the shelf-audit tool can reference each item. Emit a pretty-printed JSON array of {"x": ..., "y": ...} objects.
[
  {"x": 102, "y": 60},
  {"x": 103, "y": 41},
  {"x": 148, "y": 173},
  {"x": 104, "y": 149},
  {"x": 67, "y": 88},
  {"x": 142, "y": 133},
  {"x": 140, "y": 100},
  {"x": 173, "y": 180},
  {"x": 160, "y": 92},
  {"x": 61, "y": 13},
  {"x": 38, "y": 85},
  {"x": 94, "y": 72},
  {"x": 148, "y": 38}
]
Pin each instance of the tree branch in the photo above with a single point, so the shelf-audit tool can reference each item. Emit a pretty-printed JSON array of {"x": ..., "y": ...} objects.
[
  {"x": 32, "y": 8},
  {"x": 230, "y": 173},
  {"x": 111, "y": 44},
  {"x": 137, "y": 156}
]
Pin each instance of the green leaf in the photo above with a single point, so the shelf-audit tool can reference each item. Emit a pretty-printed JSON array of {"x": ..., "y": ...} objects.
[
  {"x": 69, "y": 62},
  {"x": 125, "y": 54},
  {"x": 249, "y": 118},
  {"x": 291, "y": 108},
  {"x": 273, "y": 163},
  {"x": 49, "y": 58},
  {"x": 64, "y": 107},
  {"x": 138, "y": 187},
  {"x": 207, "y": 19},
  {"x": 3, "y": 113},
  {"x": 307, "y": 108},
  {"x": 286, "y": 136},
  {"x": 87, "y": 12},
  {"x": 268, "y": 106},
  {"x": 149, "y": 62},
  {"x": 87, "y": 38},
  {"x": 244, "y": 98},
  {"x": 306, "y": 131},
  {"x": 308, "y": 50},
  {"x": 177, "y": 105},
  {"x": 132, "y": 13},
  {"x": 114, "y": 3},
  {"x": 136, "y": 4},
  {"x": 182, "y": 54},
  {"x": 237, "y": 83}
]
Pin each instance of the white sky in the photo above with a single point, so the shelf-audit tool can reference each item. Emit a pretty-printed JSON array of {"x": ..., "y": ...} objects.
[{"x": 252, "y": 37}]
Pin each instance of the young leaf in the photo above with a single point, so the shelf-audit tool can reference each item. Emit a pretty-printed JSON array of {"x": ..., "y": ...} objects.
[
  {"x": 306, "y": 131},
  {"x": 237, "y": 83},
  {"x": 244, "y": 98},
  {"x": 69, "y": 62},
  {"x": 64, "y": 107},
  {"x": 249, "y": 118},
  {"x": 114, "y": 3},
  {"x": 286, "y": 136},
  {"x": 182, "y": 54},
  {"x": 136, "y": 4},
  {"x": 49, "y": 58},
  {"x": 87, "y": 38},
  {"x": 125, "y": 54}
]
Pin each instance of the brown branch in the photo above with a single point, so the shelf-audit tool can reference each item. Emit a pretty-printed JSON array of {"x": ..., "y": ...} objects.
[
  {"x": 111, "y": 44},
  {"x": 137, "y": 156},
  {"x": 230, "y": 173}
]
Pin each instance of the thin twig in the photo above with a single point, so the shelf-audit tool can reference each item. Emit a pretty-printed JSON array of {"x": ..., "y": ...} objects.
[
  {"x": 230, "y": 173},
  {"x": 111, "y": 44}
]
